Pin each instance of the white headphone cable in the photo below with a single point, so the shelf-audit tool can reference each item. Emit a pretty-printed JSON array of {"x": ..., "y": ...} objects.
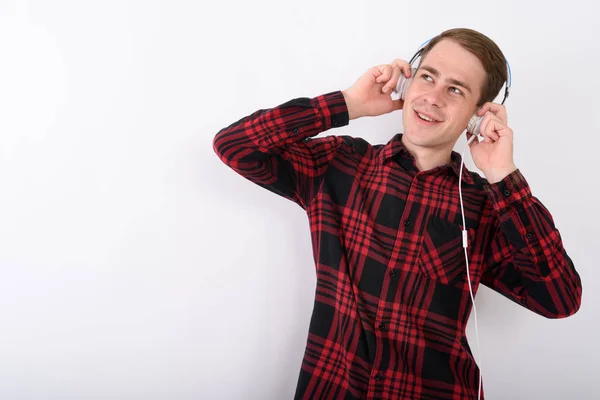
[{"x": 465, "y": 244}]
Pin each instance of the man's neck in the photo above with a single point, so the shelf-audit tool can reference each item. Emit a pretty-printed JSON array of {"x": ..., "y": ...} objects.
[{"x": 428, "y": 158}]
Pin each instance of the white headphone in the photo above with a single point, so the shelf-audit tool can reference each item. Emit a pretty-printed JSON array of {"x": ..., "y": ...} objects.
[{"x": 475, "y": 121}]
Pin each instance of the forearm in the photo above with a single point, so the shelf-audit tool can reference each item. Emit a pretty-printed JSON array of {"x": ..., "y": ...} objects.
[
  {"x": 548, "y": 283},
  {"x": 269, "y": 148},
  {"x": 269, "y": 131}
]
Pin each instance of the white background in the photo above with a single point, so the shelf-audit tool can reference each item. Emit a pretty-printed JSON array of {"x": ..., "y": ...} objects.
[{"x": 135, "y": 265}]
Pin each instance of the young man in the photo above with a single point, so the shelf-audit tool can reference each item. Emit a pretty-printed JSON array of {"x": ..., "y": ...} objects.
[{"x": 392, "y": 298}]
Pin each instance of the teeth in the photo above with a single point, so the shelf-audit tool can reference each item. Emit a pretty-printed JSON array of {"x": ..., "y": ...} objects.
[{"x": 425, "y": 117}]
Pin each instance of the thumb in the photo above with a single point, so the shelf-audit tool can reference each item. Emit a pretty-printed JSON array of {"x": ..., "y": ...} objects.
[{"x": 397, "y": 104}]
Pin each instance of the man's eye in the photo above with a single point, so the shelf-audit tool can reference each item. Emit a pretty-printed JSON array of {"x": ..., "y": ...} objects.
[
  {"x": 456, "y": 90},
  {"x": 425, "y": 76}
]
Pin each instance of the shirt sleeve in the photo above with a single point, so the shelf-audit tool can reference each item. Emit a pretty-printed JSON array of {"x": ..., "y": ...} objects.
[
  {"x": 273, "y": 147},
  {"x": 526, "y": 260}
]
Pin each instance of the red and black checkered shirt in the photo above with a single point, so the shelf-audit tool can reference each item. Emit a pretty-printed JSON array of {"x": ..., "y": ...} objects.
[{"x": 392, "y": 297}]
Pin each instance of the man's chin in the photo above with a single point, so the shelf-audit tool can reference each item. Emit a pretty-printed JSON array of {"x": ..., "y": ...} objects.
[
  {"x": 430, "y": 139},
  {"x": 422, "y": 136}
]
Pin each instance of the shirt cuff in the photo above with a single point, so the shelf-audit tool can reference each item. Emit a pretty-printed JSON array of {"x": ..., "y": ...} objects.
[
  {"x": 510, "y": 190},
  {"x": 300, "y": 119},
  {"x": 333, "y": 108}
]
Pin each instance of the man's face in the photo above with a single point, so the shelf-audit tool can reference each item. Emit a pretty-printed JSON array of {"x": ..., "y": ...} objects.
[{"x": 446, "y": 87}]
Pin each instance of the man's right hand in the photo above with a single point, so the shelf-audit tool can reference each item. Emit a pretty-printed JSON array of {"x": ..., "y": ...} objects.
[{"x": 371, "y": 94}]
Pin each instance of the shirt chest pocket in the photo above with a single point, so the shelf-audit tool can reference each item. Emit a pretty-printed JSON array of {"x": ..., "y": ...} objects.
[{"x": 441, "y": 255}]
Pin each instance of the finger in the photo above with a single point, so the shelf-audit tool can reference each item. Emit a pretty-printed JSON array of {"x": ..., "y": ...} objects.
[
  {"x": 399, "y": 67},
  {"x": 488, "y": 129},
  {"x": 385, "y": 71},
  {"x": 397, "y": 104},
  {"x": 484, "y": 129},
  {"x": 500, "y": 128},
  {"x": 488, "y": 106},
  {"x": 391, "y": 83},
  {"x": 498, "y": 110},
  {"x": 404, "y": 66},
  {"x": 490, "y": 125},
  {"x": 392, "y": 105}
]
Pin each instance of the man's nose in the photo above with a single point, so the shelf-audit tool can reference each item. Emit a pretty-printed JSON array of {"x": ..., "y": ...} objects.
[{"x": 435, "y": 97}]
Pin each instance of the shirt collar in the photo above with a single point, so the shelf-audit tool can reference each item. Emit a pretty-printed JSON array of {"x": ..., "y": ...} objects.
[{"x": 395, "y": 147}]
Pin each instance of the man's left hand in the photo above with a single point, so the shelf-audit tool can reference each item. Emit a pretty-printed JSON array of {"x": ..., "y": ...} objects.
[{"x": 494, "y": 155}]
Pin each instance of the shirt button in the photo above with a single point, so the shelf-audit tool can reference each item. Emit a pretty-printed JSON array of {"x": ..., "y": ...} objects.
[
  {"x": 529, "y": 235},
  {"x": 377, "y": 377},
  {"x": 506, "y": 193},
  {"x": 406, "y": 222},
  {"x": 392, "y": 273},
  {"x": 295, "y": 130},
  {"x": 381, "y": 325}
]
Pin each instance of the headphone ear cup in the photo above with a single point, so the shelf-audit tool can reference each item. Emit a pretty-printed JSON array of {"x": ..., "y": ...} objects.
[
  {"x": 404, "y": 83},
  {"x": 474, "y": 125}
]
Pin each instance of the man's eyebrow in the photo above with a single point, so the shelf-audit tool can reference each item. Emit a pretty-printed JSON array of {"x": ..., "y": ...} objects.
[{"x": 436, "y": 73}]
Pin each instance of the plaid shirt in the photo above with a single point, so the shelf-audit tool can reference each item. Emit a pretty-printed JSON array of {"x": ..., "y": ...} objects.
[{"x": 392, "y": 297}]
